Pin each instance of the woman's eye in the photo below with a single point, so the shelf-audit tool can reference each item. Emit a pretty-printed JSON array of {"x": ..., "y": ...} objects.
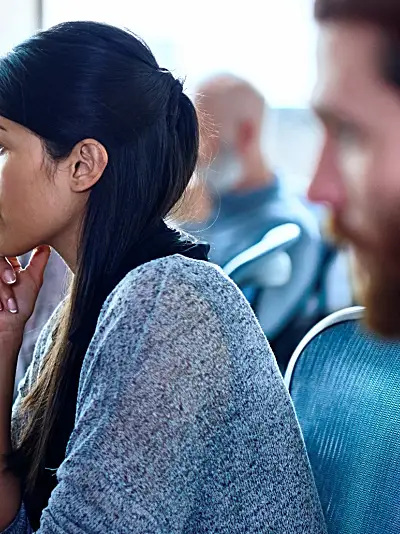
[{"x": 2, "y": 150}]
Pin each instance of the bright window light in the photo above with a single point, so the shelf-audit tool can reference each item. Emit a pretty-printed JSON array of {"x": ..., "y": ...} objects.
[{"x": 270, "y": 42}]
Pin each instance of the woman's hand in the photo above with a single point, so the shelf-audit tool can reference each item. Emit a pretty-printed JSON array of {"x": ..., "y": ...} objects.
[{"x": 19, "y": 289}]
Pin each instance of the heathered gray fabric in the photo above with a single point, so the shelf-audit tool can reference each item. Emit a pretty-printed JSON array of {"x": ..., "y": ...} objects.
[{"x": 183, "y": 422}]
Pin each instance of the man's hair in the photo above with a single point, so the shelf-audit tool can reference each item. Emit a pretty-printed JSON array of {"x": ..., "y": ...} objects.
[{"x": 383, "y": 14}]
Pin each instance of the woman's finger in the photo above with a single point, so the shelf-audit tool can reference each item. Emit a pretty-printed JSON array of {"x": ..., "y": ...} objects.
[
  {"x": 7, "y": 272},
  {"x": 8, "y": 302},
  {"x": 15, "y": 264},
  {"x": 37, "y": 264}
]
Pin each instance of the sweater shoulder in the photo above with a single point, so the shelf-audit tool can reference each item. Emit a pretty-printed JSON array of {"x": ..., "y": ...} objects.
[{"x": 163, "y": 280}]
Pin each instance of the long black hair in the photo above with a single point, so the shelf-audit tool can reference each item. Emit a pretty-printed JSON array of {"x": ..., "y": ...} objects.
[{"x": 83, "y": 80}]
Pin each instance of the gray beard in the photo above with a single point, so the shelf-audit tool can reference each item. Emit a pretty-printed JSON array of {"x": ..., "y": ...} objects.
[{"x": 223, "y": 174}]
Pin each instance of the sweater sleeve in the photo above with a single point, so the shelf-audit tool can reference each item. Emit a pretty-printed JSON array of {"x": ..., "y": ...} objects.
[
  {"x": 169, "y": 437},
  {"x": 141, "y": 421}
]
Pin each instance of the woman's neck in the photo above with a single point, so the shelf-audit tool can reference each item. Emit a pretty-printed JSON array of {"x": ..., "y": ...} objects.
[{"x": 66, "y": 244}]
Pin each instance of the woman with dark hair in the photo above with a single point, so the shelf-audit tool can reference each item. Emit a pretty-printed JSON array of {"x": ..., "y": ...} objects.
[{"x": 153, "y": 403}]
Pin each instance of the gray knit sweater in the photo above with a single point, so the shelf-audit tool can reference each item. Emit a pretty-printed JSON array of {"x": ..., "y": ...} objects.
[{"x": 183, "y": 424}]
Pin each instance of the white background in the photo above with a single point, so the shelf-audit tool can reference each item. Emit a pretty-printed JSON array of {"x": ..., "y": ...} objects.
[{"x": 270, "y": 42}]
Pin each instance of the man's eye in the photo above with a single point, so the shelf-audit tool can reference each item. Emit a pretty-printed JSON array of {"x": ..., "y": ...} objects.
[
  {"x": 347, "y": 134},
  {"x": 2, "y": 150}
]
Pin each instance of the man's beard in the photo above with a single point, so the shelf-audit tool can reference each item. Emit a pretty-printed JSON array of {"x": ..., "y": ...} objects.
[
  {"x": 381, "y": 297},
  {"x": 223, "y": 173},
  {"x": 376, "y": 280}
]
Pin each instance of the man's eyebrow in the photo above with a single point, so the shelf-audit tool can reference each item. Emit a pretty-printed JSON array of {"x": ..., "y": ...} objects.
[
  {"x": 326, "y": 115},
  {"x": 331, "y": 117},
  {"x": 3, "y": 128}
]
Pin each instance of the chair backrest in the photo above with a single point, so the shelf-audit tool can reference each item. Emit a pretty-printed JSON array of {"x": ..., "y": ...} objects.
[
  {"x": 345, "y": 385},
  {"x": 283, "y": 276},
  {"x": 280, "y": 271},
  {"x": 266, "y": 264},
  {"x": 277, "y": 307}
]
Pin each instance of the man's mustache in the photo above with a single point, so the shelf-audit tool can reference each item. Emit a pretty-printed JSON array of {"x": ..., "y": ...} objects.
[{"x": 335, "y": 231}]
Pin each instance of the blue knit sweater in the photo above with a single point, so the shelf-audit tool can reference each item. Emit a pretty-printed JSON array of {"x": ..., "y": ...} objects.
[{"x": 183, "y": 424}]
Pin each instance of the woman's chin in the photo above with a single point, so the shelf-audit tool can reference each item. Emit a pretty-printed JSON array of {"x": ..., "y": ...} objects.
[{"x": 11, "y": 251}]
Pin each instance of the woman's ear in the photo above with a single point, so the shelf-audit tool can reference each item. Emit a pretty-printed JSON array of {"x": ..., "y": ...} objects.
[{"x": 88, "y": 160}]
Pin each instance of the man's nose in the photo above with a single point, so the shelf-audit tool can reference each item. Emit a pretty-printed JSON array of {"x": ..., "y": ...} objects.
[{"x": 327, "y": 185}]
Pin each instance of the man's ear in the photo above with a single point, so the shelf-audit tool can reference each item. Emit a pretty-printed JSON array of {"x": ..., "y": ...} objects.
[
  {"x": 245, "y": 136},
  {"x": 88, "y": 160}
]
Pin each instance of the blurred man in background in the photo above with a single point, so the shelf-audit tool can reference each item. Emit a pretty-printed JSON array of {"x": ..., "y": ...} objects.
[
  {"x": 244, "y": 192},
  {"x": 243, "y": 199},
  {"x": 358, "y": 176}
]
